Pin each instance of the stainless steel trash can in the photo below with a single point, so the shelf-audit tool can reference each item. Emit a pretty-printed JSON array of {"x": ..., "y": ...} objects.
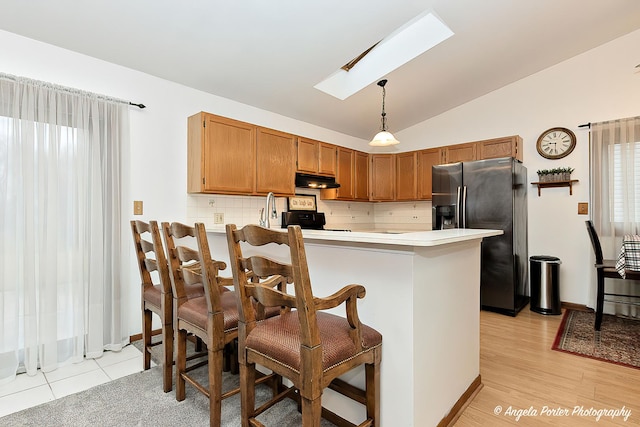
[{"x": 545, "y": 284}]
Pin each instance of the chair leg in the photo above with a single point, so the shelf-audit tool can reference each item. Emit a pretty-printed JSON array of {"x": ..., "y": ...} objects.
[
  {"x": 311, "y": 411},
  {"x": 215, "y": 386},
  {"x": 599, "y": 300},
  {"x": 146, "y": 339},
  {"x": 247, "y": 392},
  {"x": 372, "y": 379},
  {"x": 181, "y": 364},
  {"x": 167, "y": 348}
]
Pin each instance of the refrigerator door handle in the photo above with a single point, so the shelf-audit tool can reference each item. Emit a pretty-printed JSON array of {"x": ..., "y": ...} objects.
[
  {"x": 458, "y": 201},
  {"x": 464, "y": 206}
]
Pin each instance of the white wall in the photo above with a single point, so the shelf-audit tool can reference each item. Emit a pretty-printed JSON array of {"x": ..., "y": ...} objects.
[
  {"x": 157, "y": 155},
  {"x": 598, "y": 85}
]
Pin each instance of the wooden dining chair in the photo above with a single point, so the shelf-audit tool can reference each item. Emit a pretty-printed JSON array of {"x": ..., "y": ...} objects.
[
  {"x": 606, "y": 269},
  {"x": 304, "y": 344},
  {"x": 156, "y": 294}
]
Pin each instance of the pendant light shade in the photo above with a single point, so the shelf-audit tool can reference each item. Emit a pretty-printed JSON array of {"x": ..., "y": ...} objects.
[{"x": 383, "y": 138}]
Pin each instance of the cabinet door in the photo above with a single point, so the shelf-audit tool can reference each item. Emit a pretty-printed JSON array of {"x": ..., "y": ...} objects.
[
  {"x": 344, "y": 173},
  {"x": 510, "y": 146},
  {"x": 461, "y": 152},
  {"x": 427, "y": 159},
  {"x": 220, "y": 155},
  {"x": 275, "y": 162},
  {"x": 406, "y": 172},
  {"x": 308, "y": 155},
  {"x": 382, "y": 177},
  {"x": 327, "y": 159},
  {"x": 361, "y": 176}
]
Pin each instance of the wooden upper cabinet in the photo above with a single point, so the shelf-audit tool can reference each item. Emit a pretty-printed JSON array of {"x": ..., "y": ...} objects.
[
  {"x": 308, "y": 155},
  {"x": 327, "y": 159},
  {"x": 316, "y": 157},
  {"x": 361, "y": 176},
  {"x": 426, "y": 160},
  {"x": 406, "y": 176},
  {"x": 382, "y": 177},
  {"x": 275, "y": 162},
  {"x": 460, "y": 152},
  {"x": 344, "y": 173},
  {"x": 220, "y": 153},
  {"x": 509, "y": 146}
]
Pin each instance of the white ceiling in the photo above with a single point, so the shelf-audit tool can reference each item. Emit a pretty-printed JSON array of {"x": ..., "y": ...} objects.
[{"x": 270, "y": 54}]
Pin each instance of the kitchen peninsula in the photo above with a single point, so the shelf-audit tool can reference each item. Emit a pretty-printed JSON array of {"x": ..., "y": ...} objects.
[{"x": 423, "y": 295}]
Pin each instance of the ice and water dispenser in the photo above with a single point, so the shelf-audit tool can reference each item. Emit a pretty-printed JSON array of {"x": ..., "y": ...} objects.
[{"x": 443, "y": 217}]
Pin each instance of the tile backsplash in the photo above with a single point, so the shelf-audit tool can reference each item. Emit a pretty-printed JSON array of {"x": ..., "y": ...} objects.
[{"x": 216, "y": 210}]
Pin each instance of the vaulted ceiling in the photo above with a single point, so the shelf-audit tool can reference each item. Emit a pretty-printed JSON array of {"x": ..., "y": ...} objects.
[{"x": 270, "y": 54}]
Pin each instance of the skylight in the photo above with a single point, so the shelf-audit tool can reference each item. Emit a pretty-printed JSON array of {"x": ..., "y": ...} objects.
[{"x": 412, "y": 39}]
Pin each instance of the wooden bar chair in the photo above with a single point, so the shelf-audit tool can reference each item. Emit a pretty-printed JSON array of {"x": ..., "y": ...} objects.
[
  {"x": 606, "y": 269},
  {"x": 213, "y": 318},
  {"x": 156, "y": 296},
  {"x": 309, "y": 347}
]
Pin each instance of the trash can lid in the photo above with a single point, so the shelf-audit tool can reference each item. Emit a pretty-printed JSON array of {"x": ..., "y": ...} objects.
[{"x": 545, "y": 258}]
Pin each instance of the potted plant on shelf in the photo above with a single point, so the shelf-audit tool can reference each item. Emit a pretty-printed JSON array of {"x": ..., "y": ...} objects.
[{"x": 555, "y": 174}]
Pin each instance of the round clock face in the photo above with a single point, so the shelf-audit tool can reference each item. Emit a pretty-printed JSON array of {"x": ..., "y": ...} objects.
[{"x": 556, "y": 143}]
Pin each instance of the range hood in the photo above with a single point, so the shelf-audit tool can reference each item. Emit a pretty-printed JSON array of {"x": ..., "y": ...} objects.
[{"x": 315, "y": 181}]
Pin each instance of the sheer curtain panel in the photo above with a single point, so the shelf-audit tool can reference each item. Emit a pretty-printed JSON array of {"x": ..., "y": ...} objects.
[
  {"x": 615, "y": 191},
  {"x": 60, "y": 284}
]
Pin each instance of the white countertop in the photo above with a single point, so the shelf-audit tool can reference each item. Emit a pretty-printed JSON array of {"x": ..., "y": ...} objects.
[{"x": 418, "y": 238}]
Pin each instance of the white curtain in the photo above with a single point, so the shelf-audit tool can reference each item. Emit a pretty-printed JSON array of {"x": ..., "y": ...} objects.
[
  {"x": 615, "y": 194},
  {"x": 60, "y": 285}
]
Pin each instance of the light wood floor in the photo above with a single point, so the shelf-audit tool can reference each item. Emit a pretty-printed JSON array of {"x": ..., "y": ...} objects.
[{"x": 519, "y": 370}]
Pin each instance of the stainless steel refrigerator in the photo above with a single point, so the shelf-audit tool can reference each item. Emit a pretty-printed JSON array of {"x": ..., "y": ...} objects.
[{"x": 489, "y": 194}]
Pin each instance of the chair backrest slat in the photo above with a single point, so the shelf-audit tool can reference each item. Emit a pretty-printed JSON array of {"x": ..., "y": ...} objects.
[
  {"x": 191, "y": 266},
  {"x": 144, "y": 248},
  {"x": 270, "y": 272}
]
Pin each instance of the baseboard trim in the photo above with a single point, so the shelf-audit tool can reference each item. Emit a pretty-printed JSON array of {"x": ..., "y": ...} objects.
[
  {"x": 462, "y": 403},
  {"x": 574, "y": 306}
]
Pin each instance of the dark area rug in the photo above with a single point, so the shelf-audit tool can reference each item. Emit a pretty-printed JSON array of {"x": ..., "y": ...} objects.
[{"x": 618, "y": 340}]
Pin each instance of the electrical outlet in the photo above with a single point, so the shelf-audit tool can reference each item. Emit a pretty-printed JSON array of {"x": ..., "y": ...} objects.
[
  {"x": 137, "y": 207},
  {"x": 218, "y": 218},
  {"x": 583, "y": 208}
]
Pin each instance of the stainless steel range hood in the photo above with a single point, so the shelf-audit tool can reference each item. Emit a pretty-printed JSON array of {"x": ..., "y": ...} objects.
[{"x": 315, "y": 181}]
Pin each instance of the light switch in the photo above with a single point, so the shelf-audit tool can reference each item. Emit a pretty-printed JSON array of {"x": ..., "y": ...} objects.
[
  {"x": 583, "y": 208},
  {"x": 137, "y": 207}
]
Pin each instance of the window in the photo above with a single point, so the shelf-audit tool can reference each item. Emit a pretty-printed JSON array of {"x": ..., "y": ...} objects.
[{"x": 626, "y": 182}]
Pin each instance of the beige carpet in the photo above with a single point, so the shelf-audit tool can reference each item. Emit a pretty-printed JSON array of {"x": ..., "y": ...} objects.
[
  {"x": 618, "y": 340},
  {"x": 138, "y": 400}
]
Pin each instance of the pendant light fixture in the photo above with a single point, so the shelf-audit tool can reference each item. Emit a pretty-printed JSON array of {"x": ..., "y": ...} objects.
[{"x": 383, "y": 138}]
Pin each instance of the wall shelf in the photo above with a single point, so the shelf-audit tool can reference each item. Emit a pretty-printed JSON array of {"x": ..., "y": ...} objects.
[{"x": 556, "y": 184}]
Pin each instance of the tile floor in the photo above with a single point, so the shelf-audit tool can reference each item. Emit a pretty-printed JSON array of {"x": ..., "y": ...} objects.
[{"x": 25, "y": 391}]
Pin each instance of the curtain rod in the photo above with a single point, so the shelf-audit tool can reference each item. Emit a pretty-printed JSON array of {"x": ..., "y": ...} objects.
[
  {"x": 586, "y": 125},
  {"x": 13, "y": 78}
]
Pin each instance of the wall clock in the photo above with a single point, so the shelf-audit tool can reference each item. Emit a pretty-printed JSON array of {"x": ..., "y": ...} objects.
[{"x": 556, "y": 143}]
